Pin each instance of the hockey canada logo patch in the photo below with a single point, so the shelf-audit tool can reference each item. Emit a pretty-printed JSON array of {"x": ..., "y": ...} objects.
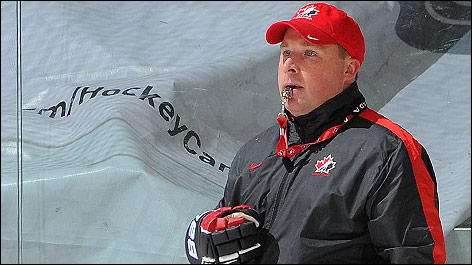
[{"x": 324, "y": 166}]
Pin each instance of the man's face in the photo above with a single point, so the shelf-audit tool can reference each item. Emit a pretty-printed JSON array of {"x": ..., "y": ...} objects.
[{"x": 317, "y": 71}]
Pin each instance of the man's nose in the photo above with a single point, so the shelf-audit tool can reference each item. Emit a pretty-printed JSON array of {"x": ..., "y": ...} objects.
[{"x": 290, "y": 66}]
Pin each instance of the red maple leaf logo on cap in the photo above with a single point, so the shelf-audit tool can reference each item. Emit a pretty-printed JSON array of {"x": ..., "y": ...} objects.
[{"x": 306, "y": 12}]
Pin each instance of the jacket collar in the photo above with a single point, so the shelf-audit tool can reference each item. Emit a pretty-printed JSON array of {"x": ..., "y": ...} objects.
[{"x": 307, "y": 128}]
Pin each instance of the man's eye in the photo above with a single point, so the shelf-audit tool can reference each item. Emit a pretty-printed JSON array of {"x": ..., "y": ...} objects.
[
  {"x": 286, "y": 53},
  {"x": 310, "y": 53}
]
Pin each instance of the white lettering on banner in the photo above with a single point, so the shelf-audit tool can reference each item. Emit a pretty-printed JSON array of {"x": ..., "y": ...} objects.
[{"x": 166, "y": 111}]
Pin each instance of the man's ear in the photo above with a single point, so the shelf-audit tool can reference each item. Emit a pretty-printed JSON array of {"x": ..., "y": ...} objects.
[{"x": 352, "y": 68}]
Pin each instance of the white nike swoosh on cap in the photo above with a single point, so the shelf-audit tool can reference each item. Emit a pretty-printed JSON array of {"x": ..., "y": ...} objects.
[{"x": 312, "y": 38}]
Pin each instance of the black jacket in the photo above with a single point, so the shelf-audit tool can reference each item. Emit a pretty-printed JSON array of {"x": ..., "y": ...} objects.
[{"x": 367, "y": 195}]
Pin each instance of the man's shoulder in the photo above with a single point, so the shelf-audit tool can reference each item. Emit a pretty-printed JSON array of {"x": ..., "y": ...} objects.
[
  {"x": 267, "y": 134},
  {"x": 265, "y": 141},
  {"x": 382, "y": 129},
  {"x": 385, "y": 124}
]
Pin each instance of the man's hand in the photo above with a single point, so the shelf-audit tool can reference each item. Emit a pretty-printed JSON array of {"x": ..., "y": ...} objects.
[{"x": 226, "y": 235}]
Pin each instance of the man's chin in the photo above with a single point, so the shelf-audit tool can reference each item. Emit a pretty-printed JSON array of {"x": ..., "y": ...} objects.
[
  {"x": 296, "y": 109},
  {"x": 295, "y": 112}
]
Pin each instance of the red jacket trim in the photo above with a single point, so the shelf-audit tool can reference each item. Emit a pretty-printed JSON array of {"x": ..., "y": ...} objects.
[{"x": 424, "y": 181}]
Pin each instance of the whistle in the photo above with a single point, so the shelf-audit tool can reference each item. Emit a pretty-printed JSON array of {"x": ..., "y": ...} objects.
[{"x": 287, "y": 93}]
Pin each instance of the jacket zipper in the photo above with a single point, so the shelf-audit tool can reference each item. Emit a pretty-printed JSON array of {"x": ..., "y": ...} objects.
[{"x": 277, "y": 200}]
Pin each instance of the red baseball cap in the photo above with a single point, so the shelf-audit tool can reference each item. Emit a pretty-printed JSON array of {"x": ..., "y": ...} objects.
[{"x": 321, "y": 23}]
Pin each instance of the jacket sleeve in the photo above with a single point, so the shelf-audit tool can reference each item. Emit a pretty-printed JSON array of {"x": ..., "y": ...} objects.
[
  {"x": 403, "y": 208},
  {"x": 229, "y": 194}
]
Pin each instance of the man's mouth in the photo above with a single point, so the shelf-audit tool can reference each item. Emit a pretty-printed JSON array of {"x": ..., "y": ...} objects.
[
  {"x": 292, "y": 87},
  {"x": 287, "y": 93}
]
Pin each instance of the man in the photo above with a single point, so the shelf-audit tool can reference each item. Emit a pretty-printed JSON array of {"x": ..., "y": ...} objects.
[{"x": 332, "y": 181}]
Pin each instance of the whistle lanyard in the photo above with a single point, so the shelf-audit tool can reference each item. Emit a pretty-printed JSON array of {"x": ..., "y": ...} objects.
[{"x": 283, "y": 150}]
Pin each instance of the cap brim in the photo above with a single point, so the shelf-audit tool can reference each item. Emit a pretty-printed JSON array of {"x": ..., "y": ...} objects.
[{"x": 276, "y": 32}]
